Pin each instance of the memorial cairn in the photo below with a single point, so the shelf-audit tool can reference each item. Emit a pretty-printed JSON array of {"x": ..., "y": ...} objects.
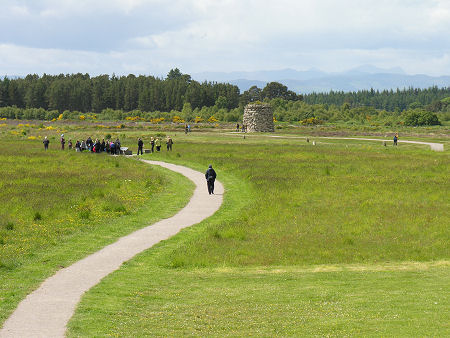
[{"x": 258, "y": 118}]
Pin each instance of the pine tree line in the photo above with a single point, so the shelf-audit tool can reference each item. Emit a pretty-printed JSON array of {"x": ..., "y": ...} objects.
[
  {"x": 389, "y": 100},
  {"x": 80, "y": 92}
]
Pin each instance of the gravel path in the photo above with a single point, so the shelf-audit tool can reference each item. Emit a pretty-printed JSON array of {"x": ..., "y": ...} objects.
[
  {"x": 433, "y": 146},
  {"x": 46, "y": 311}
]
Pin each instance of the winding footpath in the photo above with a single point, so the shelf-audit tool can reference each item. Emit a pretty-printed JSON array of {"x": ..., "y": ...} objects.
[
  {"x": 433, "y": 146},
  {"x": 46, "y": 311}
]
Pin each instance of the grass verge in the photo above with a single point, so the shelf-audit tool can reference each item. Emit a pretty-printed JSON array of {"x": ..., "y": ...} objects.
[
  {"x": 301, "y": 247},
  {"x": 33, "y": 249}
]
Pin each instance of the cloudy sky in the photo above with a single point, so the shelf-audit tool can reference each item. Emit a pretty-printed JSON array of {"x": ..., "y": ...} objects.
[{"x": 153, "y": 36}]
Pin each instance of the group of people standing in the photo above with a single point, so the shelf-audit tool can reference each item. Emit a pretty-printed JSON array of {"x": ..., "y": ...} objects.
[
  {"x": 113, "y": 147},
  {"x": 242, "y": 128},
  {"x": 154, "y": 143},
  {"x": 97, "y": 146},
  {"x": 109, "y": 146}
]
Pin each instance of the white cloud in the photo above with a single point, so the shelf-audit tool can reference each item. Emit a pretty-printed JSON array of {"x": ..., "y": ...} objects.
[{"x": 107, "y": 36}]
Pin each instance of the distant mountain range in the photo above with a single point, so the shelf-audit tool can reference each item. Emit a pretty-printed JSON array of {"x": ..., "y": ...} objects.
[{"x": 315, "y": 80}]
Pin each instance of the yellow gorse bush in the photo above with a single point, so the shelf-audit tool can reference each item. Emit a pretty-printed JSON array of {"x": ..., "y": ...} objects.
[
  {"x": 311, "y": 121},
  {"x": 157, "y": 120},
  {"x": 212, "y": 119},
  {"x": 177, "y": 119},
  {"x": 134, "y": 118}
]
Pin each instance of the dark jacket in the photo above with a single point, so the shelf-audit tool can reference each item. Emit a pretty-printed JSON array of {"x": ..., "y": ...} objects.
[
  {"x": 140, "y": 143},
  {"x": 210, "y": 175}
]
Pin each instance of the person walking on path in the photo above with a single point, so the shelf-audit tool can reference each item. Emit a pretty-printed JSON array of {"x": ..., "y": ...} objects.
[
  {"x": 395, "y": 139},
  {"x": 46, "y": 142},
  {"x": 158, "y": 144},
  {"x": 152, "y": 143},
  {"x": 210, "y": 176},
  {"x": 63, "y": 141},
  {"x": 169, "y": 143},
  {"x": 140, "y": 146}
]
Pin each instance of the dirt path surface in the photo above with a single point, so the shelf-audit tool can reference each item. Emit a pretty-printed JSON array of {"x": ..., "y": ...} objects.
[
  {"x": 433, "y": 146},
  {"x": 46, "y": 311}
]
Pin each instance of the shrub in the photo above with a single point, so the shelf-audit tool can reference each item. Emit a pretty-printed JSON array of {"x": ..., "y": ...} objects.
[
  {"x": 421, "y": 118},
  {"x": 37, "y": 216}
]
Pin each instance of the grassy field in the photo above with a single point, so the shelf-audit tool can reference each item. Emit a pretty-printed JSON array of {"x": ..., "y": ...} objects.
[
  {"x": 312, "y": 240},
  {"x": 57, "y": 207},
  {"x": 143, "y": 300},
  {"x": 341, "y": 238}
]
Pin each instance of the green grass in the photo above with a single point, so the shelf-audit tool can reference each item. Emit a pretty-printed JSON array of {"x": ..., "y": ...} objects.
[
  {"x": 301, "y": 247},
  {"x": 323, "y": 204},
  {"x": 345, "y": 238},
  {"x": 141, "y": 300},
  {"x": 58, "y": 207}
]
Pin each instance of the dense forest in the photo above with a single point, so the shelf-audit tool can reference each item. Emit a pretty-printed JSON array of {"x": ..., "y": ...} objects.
[
  {"x": 389, "y": 100},
  {"x": 82, "y": 93},
  {"x": 178, "y": 98}
]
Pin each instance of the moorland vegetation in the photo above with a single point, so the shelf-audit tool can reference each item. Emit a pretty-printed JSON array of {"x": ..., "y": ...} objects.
[{"x": 340, "y": 238}]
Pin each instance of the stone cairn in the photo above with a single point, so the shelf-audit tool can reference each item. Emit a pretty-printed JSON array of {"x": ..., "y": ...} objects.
[{"x": 258, "y": 118}]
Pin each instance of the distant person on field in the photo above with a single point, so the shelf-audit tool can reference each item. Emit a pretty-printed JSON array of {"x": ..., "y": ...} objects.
[
  {"x": 140, "y": 146},
  {"x": 185, "y": 128},
  {"x": 210, "y": 176},
  {"x": 395, "y": 139},
  {"x": 117, "y": 146},
  {"x": 158, "y": 144},
  {"x": 83, "y": 145},
  {"x": 46, "y": 142},
  {"x": 189, "y": 128},
  {"x": 103, "y": 146},
  {"x": 97, "y": 146},
  {"x": 89, "y": 144},
  {"x": 78, "y": 146},
  {"x": 70, "y": 144},
  {"x": 237, "y": 126},
  {"x": 169, "y": 143},
  {"x": 112, "y": 147},
  {"x": 152, "y": 143},
  {"x": 63, "y": 141}
]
